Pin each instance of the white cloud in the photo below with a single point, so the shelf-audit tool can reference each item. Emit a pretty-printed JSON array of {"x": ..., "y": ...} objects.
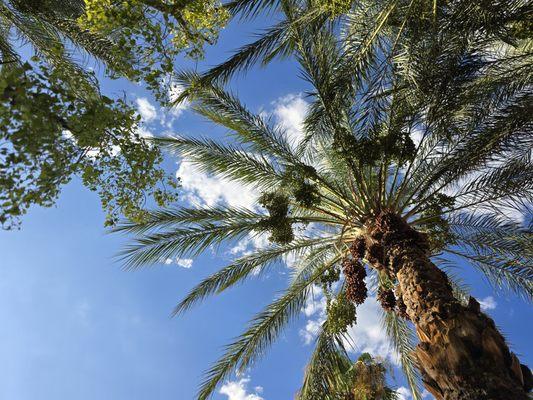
[
  {"x": 368, "y": 334},
  {"x": 416, "y": 136},
  {"x": 311, "y": 330},
  {"x": 185, "y": 262},
  {"x": 250, "y": 243},
  {"x": 403, "y": 393},
  {"x": 242, "y": 248},
  {"x": 146, "y": 109},
  {"x": 204, "y": 190},
  {"x": 182, "y": 262},
  {"x": 315, "y": 305},
  {"x": 171, "y": 113},
  {"x": 144, "y": 133},
  {"x": 238, "y": 390},
  {"x": 290, "y": 113},
  {"x": 488, "y": 303}
]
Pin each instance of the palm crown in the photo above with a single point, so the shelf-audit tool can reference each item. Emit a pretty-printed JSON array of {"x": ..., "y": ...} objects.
[
  {"x": 377, "y": 139},
  {"x": 336, "y": 376}
]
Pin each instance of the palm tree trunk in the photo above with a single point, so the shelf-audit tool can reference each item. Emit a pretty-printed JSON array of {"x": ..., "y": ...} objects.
[{"x": 461, "y": 354}]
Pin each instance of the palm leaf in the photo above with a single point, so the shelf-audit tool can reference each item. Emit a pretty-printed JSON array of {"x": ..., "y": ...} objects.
[
  {"x": 253, "y": 264},
  {"x": 263, "y": 330},
  {"x": 224, "y": 161},
  {"x": 402, "y": 339}
]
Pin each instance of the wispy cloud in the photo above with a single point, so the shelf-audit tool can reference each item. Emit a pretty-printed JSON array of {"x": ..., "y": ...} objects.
[
  {"x": 147, "y": 110},
  {"x": 289, "y": 112},
  {"x": 202, "y": 189},
  {"x": 488, "y": 303}
]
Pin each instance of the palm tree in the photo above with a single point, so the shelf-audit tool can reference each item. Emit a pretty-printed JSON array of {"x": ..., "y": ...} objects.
[
  {"x": 392, "y": 179},
  {"x": 332, "y": 375}
]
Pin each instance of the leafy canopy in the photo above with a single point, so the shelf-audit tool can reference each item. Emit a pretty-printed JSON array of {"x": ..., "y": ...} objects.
[
  {"x": 55, "y": 123},
  {"x": 48, "y": 135},
  {"x": 149, "y": 34},
  {"x": 138, "y": 39}
]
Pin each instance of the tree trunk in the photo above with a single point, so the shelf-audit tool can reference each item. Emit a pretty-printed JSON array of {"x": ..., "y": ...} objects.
[{"x": 461, "y": 354}]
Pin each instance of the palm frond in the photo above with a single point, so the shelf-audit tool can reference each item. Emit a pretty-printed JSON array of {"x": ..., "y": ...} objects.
[
  {"x": 41, "y": 35},
  {"x": 263, "y": 330},
  {"x": 242, "y": 268},
  {"x": 461, "y": 290},
  {"x": 506, "y": 130},
  {"x": 502, "y": 273},
  {"x": 179, "y": 216},
  {"x": 7, "y": 51},
  {"x": 224, "y": 161},
  {"x": 513, "y": 178},
  {"x": 499, "y": 248},
  {"x": 101, "y": 48},
  {"x": 397, "y": 70},
  {"x": 224, "y": 109},
  {"x": 274, "y": 41},
  {"x": 402, "y": 339},
  {"x": 156, "y": 247},
  {"x": 489, "y": 233},
  {"x": 329, "y": 359},
  {"x": 250, "y": 8}
]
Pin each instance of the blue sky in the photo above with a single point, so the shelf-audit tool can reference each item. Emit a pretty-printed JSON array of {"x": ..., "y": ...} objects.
[{"x": 76, "y": 326}]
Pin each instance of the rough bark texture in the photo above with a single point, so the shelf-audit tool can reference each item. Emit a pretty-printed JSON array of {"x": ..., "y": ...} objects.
[{"x": 461, "y": 354}]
